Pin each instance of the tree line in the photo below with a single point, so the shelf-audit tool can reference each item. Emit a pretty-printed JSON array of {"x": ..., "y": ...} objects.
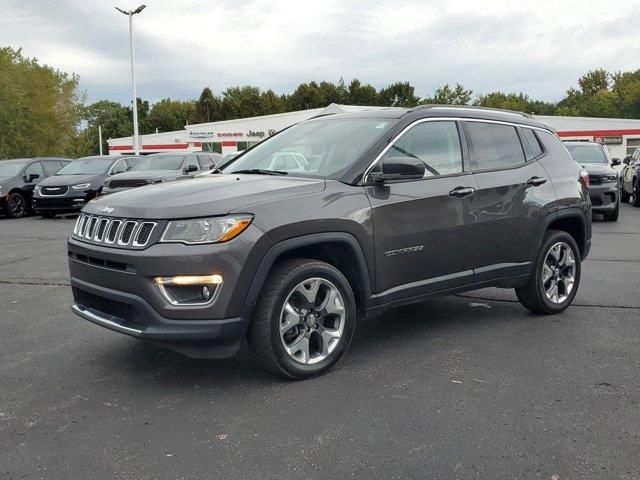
[{"x": 43, "y": 111}]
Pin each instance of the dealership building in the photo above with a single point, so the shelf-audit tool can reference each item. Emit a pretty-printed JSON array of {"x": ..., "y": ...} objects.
[{"x": 621, "y": 136}]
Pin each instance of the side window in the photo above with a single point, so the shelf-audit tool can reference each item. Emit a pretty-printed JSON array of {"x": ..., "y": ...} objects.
[
  {"x": 34, "y": 169},
  {"x": 119, "y": 167},
  {"x": 494, "y": 145},
  {"x": 51, "y": 167},
  {"x": 437, "y": 144},
  {"x": 205, "y": 162},
  {"x": 534, "y": 143}
]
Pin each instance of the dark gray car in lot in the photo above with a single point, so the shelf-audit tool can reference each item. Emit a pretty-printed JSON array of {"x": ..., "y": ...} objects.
[
  {"x": 18, "y": 179},
  {"x": 604, "y": 180},
  {"x": 401, "y": 204},
  {"x": 78, "y": 183},
  {"x": 160, "y": 168}
]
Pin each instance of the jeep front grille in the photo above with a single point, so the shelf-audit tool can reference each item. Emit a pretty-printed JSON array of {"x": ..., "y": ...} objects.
[{"x": 109, "y": 231}]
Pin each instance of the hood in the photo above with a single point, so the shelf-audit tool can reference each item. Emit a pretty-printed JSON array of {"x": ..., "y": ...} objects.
[
  {"x": 599, "y": 169},
  {"x": 217, "y": 195},
  {"x": 147, "y": 175},
  {"x": 68, "y": 180}
]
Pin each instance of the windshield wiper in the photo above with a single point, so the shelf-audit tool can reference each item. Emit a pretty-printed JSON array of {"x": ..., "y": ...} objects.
[{"x": 260, "y": 171}]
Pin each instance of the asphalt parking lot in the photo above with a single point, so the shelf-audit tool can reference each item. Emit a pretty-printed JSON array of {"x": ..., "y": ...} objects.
[{"x": 466, "y": 386}]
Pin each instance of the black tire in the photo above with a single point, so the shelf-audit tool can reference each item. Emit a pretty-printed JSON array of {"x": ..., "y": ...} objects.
[
  {"x": 533, "y": 295},
  {"x": 16, "y": 205},
  {"x": 624, "y": 196},
  {"x": 613, "y": 216},
  {"x": 636, "y": 193},
  {"x": 264, "y": 333}
]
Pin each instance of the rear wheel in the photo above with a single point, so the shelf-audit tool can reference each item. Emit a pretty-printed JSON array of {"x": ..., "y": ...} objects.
[
  {"x": 304, "y": 320},
  {"x": 16, "y": 205},
  {"x": 556, "y": 276}
]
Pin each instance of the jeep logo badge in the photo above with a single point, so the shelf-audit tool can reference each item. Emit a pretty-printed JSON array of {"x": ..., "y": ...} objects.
[{"x": 106, "y": 210}]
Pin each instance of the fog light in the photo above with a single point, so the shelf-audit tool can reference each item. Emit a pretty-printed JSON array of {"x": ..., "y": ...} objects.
[
  {"x": 206, "y": 293},
  {"x": 188, "y": 289}
]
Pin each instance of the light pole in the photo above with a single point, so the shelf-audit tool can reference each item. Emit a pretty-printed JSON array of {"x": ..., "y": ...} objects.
[{"x": 130, "y": 14}]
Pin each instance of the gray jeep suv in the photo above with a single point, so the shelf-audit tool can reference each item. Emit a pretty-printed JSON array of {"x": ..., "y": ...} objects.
[{"x": 400, "y": 204}]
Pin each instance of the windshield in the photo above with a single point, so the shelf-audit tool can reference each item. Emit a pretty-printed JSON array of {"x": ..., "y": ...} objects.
[
  {"x": 159, "y": 162},
  {"x": 587, "y": 153},
  {"x": 318, "y": 148},
  {"x": 86, "y": 166},
  {"x": 11, "y": 168}
]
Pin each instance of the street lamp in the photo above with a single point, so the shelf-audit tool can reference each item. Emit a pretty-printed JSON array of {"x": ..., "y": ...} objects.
[{"x": 130, "y": 14}]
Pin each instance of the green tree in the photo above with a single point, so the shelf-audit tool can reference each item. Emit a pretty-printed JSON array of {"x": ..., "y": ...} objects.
[
  {"x": 507, "y": 101},
  {"x": 359, "y": 94},
  {"x": 40, "y": 107},
  {"x": 115, "y": 120},
  {"x": 305, "y": 97},
  {"x": 208, "y": 107},
  {"x": 399, "y": 94},
  {"x": 241, "y": 102},
  {"x": 445, "y": 95},
  {"x": 168, "y": 115}
]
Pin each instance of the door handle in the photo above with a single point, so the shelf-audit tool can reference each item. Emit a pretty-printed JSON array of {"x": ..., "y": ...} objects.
[
  {"x": 536, "y": 181},
  {"x": 460, "y": 192}
]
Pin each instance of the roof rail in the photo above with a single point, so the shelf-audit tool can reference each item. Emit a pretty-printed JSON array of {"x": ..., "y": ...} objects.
[{"x": 471, "y": 107}]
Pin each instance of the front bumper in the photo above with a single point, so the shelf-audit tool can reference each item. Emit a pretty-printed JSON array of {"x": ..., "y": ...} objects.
[
  {"x": 67, "y": 203},
  {"x": 604, "y": 197},
  {"x": 113, "y": 288}
]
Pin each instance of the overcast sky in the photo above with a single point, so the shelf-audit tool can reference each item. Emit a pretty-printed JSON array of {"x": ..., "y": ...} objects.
[{"x": 538, "y": 47}]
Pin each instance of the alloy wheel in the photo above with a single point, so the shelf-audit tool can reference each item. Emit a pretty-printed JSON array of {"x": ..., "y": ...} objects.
[
  {"x": 559, "y": 272},
  {"x": 17, "y": 206},
  {"x": 312, "y": 321}
]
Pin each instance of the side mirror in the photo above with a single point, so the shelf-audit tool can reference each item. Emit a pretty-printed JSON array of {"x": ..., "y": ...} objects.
[
  {"x": 398, "y": 168},
  {"x": 31, "y": 177},
  {"x": 190, "y": 168},
  {"x": 615, "y": 162},
  {"x": 626, "y": 160},
  {"x": 212, "y": 167}
]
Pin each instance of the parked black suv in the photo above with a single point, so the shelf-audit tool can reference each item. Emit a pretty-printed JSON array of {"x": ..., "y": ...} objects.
[
  {"x": 160, "y": 168},
  {"x": 604, "y": 180},
  {"x": 76, "y": 184},
  {"x": 401, "y": 204},
  {"x": 19, "y": 177}
]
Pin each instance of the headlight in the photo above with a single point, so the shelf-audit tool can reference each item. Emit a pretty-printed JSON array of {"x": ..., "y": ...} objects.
[
  {"x": 35, "y": 189},
  {"x": 205, "y": 230},
  {"x": 609, "y": 178},
  {"x": 81, "y": 186}
]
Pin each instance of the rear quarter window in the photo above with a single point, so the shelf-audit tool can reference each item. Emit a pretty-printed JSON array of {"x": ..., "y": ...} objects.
[{"x": 533, "y": 142}]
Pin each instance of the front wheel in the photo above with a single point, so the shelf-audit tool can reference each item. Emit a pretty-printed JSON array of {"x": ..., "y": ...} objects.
[
  {"x": 304, "y": 320},
  {"x": 624, "y": 196},
  {"x": 636, "y": 193},
  {"x": 16, "y": 205},
  {"x": 556, "y": 276}
]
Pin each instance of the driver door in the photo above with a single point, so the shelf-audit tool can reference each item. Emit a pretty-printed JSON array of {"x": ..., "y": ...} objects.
[{"x": 425, "y": 231}]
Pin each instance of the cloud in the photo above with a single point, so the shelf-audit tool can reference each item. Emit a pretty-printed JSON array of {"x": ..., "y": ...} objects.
[{"x": 540, "y": 48}]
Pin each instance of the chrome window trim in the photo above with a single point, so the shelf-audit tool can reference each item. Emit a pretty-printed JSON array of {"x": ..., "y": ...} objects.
[{"x": 368, "y": 170}]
